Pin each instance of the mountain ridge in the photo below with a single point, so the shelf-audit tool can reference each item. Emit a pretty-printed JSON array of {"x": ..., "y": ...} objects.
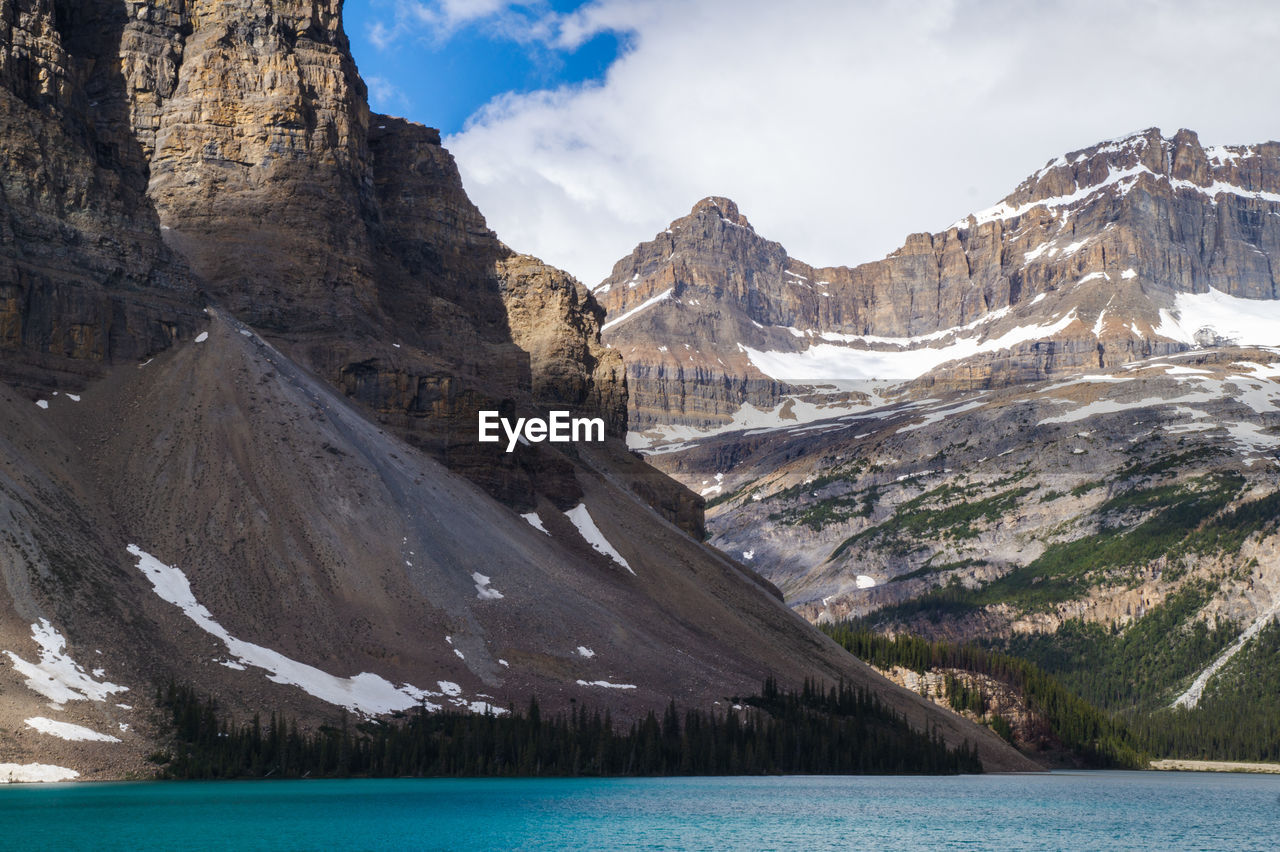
[
  {"x": 1073, "y": 270},
  {"x": 245, "y": 328}
]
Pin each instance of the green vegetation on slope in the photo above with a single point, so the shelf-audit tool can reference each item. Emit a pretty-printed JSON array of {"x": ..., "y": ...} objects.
[
  {"x": 1179, "y": 520},
  {"x": 1141, "y": 667},
  {"x": 1093, "y": 735},
  {"x": 1088, "y": 672},
  {"x": 1238, "y": 718},
  {"x": 1175, "y": 525},
  {"x": 955, "y": 518}
]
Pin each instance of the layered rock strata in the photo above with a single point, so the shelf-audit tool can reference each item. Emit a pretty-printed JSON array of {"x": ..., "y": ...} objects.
[
  {"x": 1071, "y": 271},
  {"x": 166, "y": 155}
]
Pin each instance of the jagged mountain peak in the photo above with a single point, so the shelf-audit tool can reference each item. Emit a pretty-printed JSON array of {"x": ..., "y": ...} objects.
[
  {"x": 712, "y": 235},
  {"x": 1129, "y": 248},
  {"x": 243, "y": 322},
  {"x": 725, "y": 208},
  {"x": 1180, "y": 162}
]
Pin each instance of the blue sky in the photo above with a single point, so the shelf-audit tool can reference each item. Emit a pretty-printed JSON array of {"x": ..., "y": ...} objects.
[
  {"x": 437, "y": 74},
  {"x": 838, "y": 126}
]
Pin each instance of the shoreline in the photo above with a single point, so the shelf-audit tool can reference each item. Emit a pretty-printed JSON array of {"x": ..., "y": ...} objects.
[{"x": 1179, "y": 765}]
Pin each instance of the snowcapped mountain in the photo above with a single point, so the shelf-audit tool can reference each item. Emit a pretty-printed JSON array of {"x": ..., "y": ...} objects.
[
  {"x": 1055, "y": 425},
  {"x": 1132, "y": 248},
  {"x": 245, "y": 331}
]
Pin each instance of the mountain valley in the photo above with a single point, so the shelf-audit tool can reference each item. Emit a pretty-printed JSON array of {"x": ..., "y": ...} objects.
[
  {"x": 246, "y": 326},
  {"x": 1061, "y": 412}
]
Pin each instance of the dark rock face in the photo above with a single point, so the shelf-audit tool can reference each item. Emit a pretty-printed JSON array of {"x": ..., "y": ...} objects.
[
  {"x": 1117, "y": 229},
  {"x": 230, "y": 152},
  {"x": 203, "y": 183},
  {"x": 258, "y": 131},
  {"x": 84, "y": 277},
  {"x": 570, "y": 370}
]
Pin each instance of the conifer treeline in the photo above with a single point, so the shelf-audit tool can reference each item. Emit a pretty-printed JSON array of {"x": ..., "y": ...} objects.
[
  {"x": 841, "y": 730},
  {"x": 1238, "y": 718},
  {"x": 1093, "y": 735}
]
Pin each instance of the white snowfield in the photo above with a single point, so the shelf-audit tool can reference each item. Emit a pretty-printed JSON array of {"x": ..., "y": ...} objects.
[
  {"x": 645, "y": 305},
  {"x": 484, "y": 591},
  {"x": 828, "y": 362},
  {"x": 34, "y": 773},
  {"x": 56, "y": 676},
  {"x": 865, "y": 582},
  {"x": 535, "y": 521},
  {"x": 591, "y": 533},
  {"x": 604, "y": 684},
  {"x": 68, "y": 731},
  {"x": 365, "y": 693},
  {"x": 1246, "y": 322}
]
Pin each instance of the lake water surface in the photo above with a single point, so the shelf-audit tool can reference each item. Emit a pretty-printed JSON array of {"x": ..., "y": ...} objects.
[{"x": 1061, "y": 810}]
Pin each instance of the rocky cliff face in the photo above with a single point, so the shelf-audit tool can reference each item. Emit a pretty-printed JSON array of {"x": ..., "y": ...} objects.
[
  {"x": 1090, "y": 502},
  {"x": 242, "y": 323},
  {"x": 84, "y": 278},
  {"x": 1071, "y": 271},
  {"x": 257, "y": 132},
  {"x": 225, "y": 152}
]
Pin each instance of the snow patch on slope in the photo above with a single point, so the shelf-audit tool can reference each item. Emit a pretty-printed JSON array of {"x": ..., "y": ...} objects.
[
  {"x": 826, "y": 361},
  {"x": 56, "y": 676},
  {"x": 365, "y": 693},
  {"x": 484, "y": 591},
  {"x": 917, "y": 340},
  {"x": 645, "y": 305},
  {"x": 1111, "y": 406},
  {"x": 1246, "y": 322},
  {"x": 1004, "y": 210},
  {"x": 34, "y": 773},
  {"x": 535, "y": 521},
  {"x": 759, "y": 420},
  {"x": 581, "y": 519},
  {"x": 68, "y": 731}
]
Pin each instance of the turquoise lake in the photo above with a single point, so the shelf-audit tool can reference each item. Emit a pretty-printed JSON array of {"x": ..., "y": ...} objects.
[{"x": 1061, "y": 810}]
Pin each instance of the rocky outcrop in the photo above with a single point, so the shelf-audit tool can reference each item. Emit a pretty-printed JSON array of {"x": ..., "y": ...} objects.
[
  {"x": 554, "y": 319},
  {"x": 259, "y": 155},
  {"x": 229, "y": 155},
  {"x": 84, "y": 277},
  {"x": 1070, "y": 272}
]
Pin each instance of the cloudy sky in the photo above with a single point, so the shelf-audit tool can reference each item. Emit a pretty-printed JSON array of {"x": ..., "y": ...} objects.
[{"x": 839, "y": 126}]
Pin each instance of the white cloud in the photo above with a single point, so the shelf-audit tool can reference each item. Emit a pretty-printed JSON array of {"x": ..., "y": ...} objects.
[
  {"x": 841, "y": 127},
  {"x": 384, "y": 96},
  {"x": 440, "y": 19}
]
